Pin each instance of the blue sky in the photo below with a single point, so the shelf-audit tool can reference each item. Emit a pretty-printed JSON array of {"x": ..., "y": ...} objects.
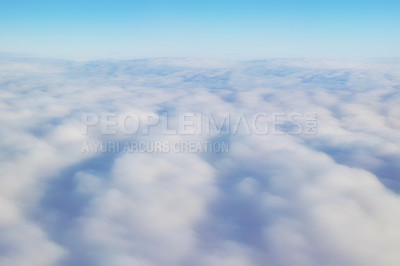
[{"x": 250, "y": 29}]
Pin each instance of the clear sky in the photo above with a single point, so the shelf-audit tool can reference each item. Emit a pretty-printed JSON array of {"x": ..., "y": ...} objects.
[{"x": 247, "y": 29}]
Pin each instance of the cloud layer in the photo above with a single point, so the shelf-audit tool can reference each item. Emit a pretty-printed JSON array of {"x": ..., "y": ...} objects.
[{"x": 326, "y": 198}]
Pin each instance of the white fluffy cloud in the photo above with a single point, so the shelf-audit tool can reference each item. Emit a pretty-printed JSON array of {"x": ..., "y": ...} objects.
[{"x": 325, "y": 198}]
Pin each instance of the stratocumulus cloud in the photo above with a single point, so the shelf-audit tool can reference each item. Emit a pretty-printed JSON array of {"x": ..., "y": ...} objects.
[{"x": 319, "y": 191}]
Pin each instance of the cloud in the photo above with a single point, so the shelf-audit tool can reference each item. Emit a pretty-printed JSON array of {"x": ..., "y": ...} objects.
[{"x": 319, "y": 188}]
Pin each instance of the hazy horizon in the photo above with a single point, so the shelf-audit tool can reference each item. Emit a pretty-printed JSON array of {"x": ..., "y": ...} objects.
[{"x": 224, "y": 29}]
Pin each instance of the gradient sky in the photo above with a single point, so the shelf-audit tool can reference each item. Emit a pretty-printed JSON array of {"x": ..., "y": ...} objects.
[{"x": 251, "y": 29}]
